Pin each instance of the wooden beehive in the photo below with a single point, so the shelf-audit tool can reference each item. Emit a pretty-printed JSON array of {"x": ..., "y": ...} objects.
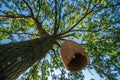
[{"x": 73, "y": 56}]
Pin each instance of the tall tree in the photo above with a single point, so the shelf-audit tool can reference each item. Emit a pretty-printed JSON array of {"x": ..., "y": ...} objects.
[{"x": 35, "y": 30}]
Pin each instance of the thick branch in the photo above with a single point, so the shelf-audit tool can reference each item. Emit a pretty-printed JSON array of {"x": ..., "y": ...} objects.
[{"x": 42, "y": 32}]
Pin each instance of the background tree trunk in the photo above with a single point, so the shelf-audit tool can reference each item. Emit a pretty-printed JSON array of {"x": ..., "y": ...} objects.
[{"x": 15, "y": 58}]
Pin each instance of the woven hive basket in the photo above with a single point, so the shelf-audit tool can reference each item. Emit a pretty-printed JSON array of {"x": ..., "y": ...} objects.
[{"x": 73, "y": 56}]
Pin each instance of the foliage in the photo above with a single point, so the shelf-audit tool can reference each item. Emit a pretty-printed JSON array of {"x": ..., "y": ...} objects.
[{"x": 95, "y": 24}]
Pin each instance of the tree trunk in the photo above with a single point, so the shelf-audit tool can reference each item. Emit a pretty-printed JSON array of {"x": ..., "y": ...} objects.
[{"x": 15, "y": 58}]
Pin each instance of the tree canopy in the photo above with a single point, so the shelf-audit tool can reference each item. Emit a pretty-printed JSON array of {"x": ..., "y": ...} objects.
[{"x": 94, "y": 24}]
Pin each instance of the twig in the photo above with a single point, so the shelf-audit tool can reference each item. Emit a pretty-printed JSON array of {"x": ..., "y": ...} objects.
[
  {"x": 10, "y": 32},
  {"x": 59, "y": 18},
  {"x": 42, "y": 67},
  {"x": 57, "y": 44},
  {"x": 118, "y": 4},
  {"x": 7, "y": 15},
  {"x": 88, "y": 6},
  {"x": 3, "y": 11},
  {"x": 56, "y": 58},
  {"x": 35, "y": 67},
  {"x": 60, "y": 37},
  {"x": 102, "y": 71},
  {"x": 31, "y": 11},
  {"x": 14, "y": 16},
  {"x": 90, "y": 71},
  {"x": 55, "y": 24},
  {"x": 39, "y": 8},
  {"x": 85, "y": 30},
  {"x": 96, "y": 5}
]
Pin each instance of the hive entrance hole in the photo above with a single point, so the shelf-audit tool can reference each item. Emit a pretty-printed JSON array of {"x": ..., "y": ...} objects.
[{"x": 77, "y": 62}]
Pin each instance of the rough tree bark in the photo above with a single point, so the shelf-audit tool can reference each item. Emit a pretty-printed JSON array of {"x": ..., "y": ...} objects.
[{"x": 15, "y": 58}]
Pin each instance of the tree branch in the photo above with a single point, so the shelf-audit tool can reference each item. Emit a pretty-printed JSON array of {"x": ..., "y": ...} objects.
[
  {"x": 87, "y": 13},
  {"x": 107, "y": 6},
  {"x": 10, "y": 15},
  {"x": 42, "y": 67},
  {"x": 59, "y": 15},
  {"x": 104, "y": 73},
  {"x": 39, "y": 8},
  {"x": 60, "y": 37},
  {"x": 10, "y": 32},
  {"x": 14, "y": 16},
  {"x": 55, "y": 58},
  {"x": 42, "y": 32},
  {"x": 79, "y": 20},
  {"x": 31, "y": 11},
  {"x": 84, "y": 30},
  {"x": 34, "y": 68},
  {"x": 55, "y": 24},
  {"x": 88, "y": 6},
  {"x": 107, "y": 30}
]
